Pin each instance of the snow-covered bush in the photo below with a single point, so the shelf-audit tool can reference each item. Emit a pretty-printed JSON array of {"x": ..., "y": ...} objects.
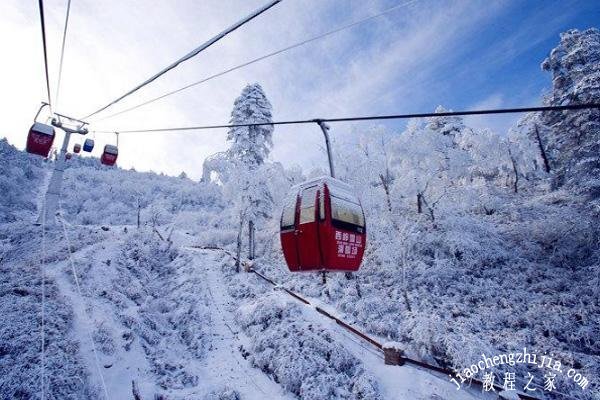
[
  {"x": 20, "y": 177},
  {"x": 224, "y": 393},
  {"x": 21, "y": 325},
  {"x": 168, "y": 314},
  {"x": 300, "y": 355}
]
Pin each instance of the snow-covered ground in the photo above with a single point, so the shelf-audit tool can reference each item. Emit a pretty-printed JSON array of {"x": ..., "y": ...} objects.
[{"x": 114, "y": 331}]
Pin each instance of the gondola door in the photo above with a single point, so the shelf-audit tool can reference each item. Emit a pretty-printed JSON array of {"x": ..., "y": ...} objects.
[{"x": 307, "y": 230}]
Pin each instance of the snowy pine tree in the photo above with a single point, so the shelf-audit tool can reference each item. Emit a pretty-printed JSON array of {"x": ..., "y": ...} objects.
[
  {"x": 249, "y": 149},
  {"x": 251, "y": 144}
]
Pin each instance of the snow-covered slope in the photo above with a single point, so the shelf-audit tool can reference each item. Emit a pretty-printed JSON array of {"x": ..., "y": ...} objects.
[
  {"x": 124, "y": 307},
  {"x": 473, "y": 248}
]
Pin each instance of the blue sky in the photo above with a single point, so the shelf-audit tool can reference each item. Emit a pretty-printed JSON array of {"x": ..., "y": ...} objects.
[{"x": 460, "y": 54}]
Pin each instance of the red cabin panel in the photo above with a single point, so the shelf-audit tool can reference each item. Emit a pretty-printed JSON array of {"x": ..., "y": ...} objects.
[
  {"x": 288, "y": 233},
  {"x": 110, "y": 154},
  {"x": 307, "y": 237},
  {"x": 40, "y": 139},
  {"x": 344, "y": 234},
  {"x": 327, "y": 231}
]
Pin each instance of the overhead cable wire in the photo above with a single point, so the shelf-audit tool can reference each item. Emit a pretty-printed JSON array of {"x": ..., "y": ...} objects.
[
  {"x": 261, "y": 58},
  {"x": 373, "y": 117},
  {"x": 62, "y": 54},
  {"x": 188, "y": 56},
  {"x": 43, "y": 24}
]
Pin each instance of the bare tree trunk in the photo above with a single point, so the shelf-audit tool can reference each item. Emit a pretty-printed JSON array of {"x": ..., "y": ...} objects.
[
  {"x": 422, "y": 202},
  {"x": 542, "y": 151},
  {"x": 386, "y": 188},
  {"x": 251, "y": 242},
  {"x": 239, "y": 246},
  {"x": 406, "y": 300},
  {"x": 515, "y": 170},
  {"x": 158, "y": 233},
  {"x": 139, "y": 209}
]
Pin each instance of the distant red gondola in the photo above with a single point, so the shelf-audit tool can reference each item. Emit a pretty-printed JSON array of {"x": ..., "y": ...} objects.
[
  {"x": 76, "y": 148},
  {"x": 323, "y": 227},
  {"x": 109, "y": 155},
  {"x": 40, "y": 139}
]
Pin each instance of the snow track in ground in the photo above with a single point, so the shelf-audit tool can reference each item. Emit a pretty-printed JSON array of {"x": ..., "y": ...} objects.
[{"x": 224, "y": 363}]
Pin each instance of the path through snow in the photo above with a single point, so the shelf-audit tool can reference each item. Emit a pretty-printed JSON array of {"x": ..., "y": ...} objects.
[
  {"x": 224, "y": 362},
  {"x": 406, "y": 382}
]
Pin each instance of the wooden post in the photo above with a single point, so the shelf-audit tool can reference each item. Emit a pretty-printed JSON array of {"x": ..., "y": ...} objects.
[{"x": 392, "y": 354}]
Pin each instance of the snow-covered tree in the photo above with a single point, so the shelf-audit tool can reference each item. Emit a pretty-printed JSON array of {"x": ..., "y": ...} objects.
[
  {"x": 251, "y": 144},
  {"x": 250, "y": 147},
  {"x": 429, "y": 161},
  {"x": 528, "y": 149},
  {"x": 572, "y": 138}
]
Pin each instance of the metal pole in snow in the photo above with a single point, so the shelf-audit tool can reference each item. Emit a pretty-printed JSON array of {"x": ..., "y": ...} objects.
[
  {"x": 55, "y": 185},
  {"x": 325, "y": 128}
]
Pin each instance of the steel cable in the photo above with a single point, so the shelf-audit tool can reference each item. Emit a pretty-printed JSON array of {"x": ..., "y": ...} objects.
[
  {"x": 188, "y": 56},
  {"x": 373, "y": 117},
  {"x": 62, "y": 54},
  {"x": 43, "y": 24},
  {"x": 264, "y": 57}
]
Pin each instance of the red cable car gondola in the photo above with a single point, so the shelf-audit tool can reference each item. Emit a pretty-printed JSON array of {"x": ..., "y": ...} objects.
[
  {"x": 76, "y": 148},
  {"x": 323, "y": 227},
  {"x": 109, "y": 156},
  {"x": 40, "y": 139}
]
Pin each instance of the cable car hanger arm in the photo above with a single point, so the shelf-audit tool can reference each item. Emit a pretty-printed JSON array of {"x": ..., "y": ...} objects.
[
  {"x": 569, "y": 107},
  {"x": 72, "y": 119},
  {"x": 43, "y": 26},
  {"x": 191, "y": 54}
]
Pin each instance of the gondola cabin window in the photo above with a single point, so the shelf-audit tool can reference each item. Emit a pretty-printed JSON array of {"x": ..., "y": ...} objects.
[
  {"x": 347, "y": 214},
  {"x": 307, "y": 208},
  {"x": 289, "y": 213}
]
